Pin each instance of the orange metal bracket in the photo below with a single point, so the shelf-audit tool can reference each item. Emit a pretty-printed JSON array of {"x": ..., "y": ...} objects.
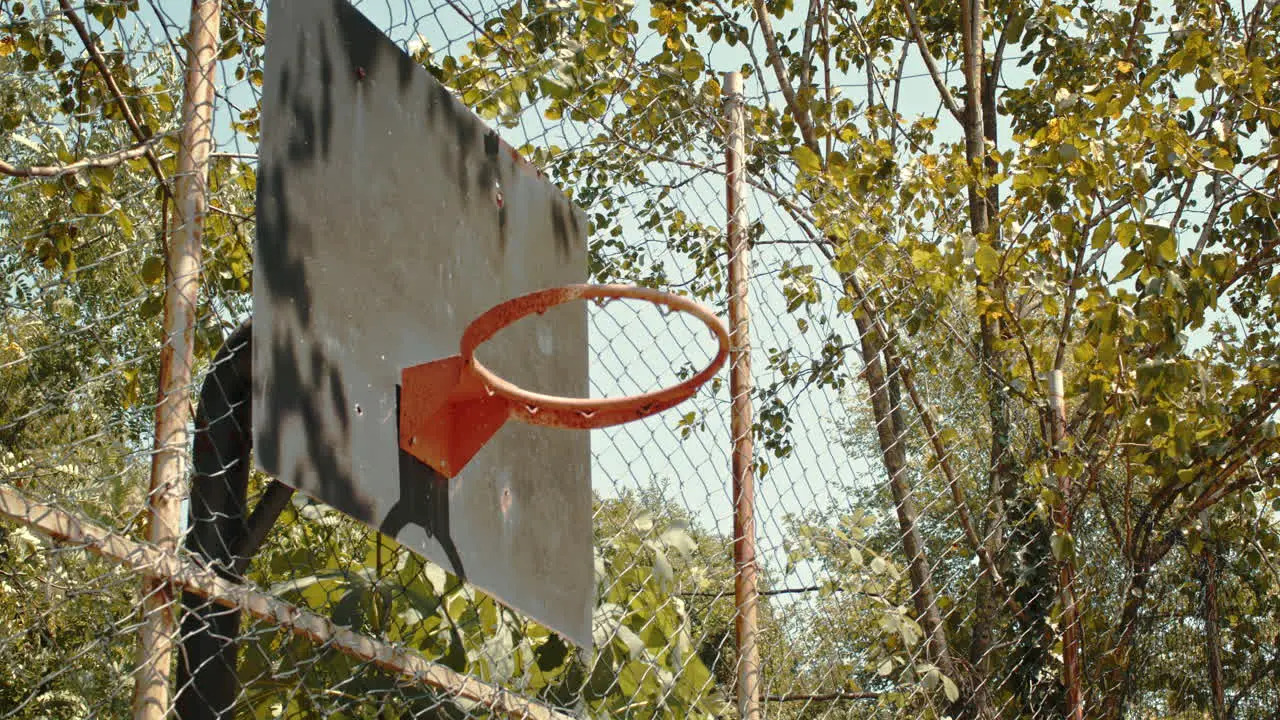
[{"x": 445, "y": 414}]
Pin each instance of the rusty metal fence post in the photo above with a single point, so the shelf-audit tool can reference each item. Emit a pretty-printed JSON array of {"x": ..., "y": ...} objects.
[
  {"x": 151, "y": 695},
  {"x": 740, "y": 386}
]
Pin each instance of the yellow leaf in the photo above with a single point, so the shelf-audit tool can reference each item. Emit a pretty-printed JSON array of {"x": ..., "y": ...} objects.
[
  {"x": 921, "y": 258},
  {"x": 1125, "y": 232},
  {"x": 987, "y": 259},
  {"x": 1101, "y": 234},
  {"x": 7, "y": 46},
  {"x": 807, "y": 160},
  {"x": 1167, "y": 246},
  {"x": 1124, "y": 66},
  {"x": 1223, "y": 160}
]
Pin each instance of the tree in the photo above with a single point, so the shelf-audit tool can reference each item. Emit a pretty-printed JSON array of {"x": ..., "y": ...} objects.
[
  {"x": 975, "y": 198},
  {"x": 1111, "y": 219},
  {"x": 82, "y": 222},
  {"x": 71, "y": 415}
]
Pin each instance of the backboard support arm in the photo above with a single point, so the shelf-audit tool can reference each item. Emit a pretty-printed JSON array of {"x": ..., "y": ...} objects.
[{"x": 219, "y": 531}]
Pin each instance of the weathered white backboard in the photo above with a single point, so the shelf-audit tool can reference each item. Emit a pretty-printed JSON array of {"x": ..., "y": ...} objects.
[{"x": 389, "y": 217}]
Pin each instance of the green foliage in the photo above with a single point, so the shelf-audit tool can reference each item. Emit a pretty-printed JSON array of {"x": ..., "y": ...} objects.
[
  {"x": 68, "y": 605},
  {"x": 1100, "y": 259},
  {"x": 1117, "y": 223},
  {"x": 645, "y": 662}
]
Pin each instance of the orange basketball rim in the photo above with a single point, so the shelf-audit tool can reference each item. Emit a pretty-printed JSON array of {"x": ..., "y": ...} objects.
[{"x": 450, "y": 408}]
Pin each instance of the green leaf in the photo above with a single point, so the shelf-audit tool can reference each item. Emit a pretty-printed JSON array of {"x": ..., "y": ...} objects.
[
  {"x": 456, "y": 657},
  {"x": 679, "y": 539},
  {"x": 554, "y": 87},
  {"x": 1061, "y": 545},
  {"x": 922, "y": 257},
  {"x": 949, "y": 688},
  {"x": 691, "y": 66},
  {"x": 152, "y": 270},
  {"x": 631, "y": 641},
  {"x": 552, "y": 653},
  {"x": 643, "y": 522},
  {"x": 81, "y": 201},
  {"x": 349, "y": 611},
  {"x": 126, "y": 224},
  {"x": 1167, "y": 246},
  {"x": 1131, "y": 264},
  {"x": 662, "y": 570},
  {"x": 1101, "y": 234}
]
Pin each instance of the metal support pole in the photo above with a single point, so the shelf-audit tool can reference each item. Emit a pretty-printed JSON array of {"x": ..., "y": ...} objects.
[
  {"x": 169, "y": 462},
  {"x": 1071, "y": 678},
  {"x": 220, "y": 531},
  {"x": 206, "y": 685},
  {"x": 745, "y": 591}
]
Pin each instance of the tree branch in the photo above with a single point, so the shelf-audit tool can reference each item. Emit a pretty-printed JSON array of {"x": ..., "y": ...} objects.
[
  {"x": 930, "y": 63},
  {"x": 953, "y": 482},
  {"x": 755, "y": 61},
  {"x": 826, "y": 75},
  {"x": 101, "y": 64},
  {"x": 880, "y": 84},
  {"x": 1206, "y": 230},
  {"x": 891, "y": 432},
  {"x": 823, "y": 697},
  {"x": 1242, "y": 430},
  {"x": 1218, "y": 490},
  {"x": 105, "y": 160},
  {"x": 806, "y": 50},
  {"x": 897, "y": 94},
  {"x": 1064, "y": 329},
  {"x": 229, "y": 213},
  {"x": 788, "y": 92}
]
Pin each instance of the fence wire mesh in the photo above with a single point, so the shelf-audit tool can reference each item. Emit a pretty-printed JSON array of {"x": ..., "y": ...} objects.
[{"x": 936, "y": 535}]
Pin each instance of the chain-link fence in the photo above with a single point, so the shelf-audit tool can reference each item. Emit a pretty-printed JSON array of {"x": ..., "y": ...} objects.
[{"x": 991, "y": 477}]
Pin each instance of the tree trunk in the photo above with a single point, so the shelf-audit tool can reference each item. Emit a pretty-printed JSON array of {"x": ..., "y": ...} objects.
[
  {"x": 890, "y": 427},
  {"x": 987, "y": 605},
  {"x": 1116, "y": 693},
  {"x": 1213, "y": 642}
]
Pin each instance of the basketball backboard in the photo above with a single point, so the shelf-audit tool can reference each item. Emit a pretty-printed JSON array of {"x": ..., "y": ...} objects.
[{"x": 389, "y": 216}]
